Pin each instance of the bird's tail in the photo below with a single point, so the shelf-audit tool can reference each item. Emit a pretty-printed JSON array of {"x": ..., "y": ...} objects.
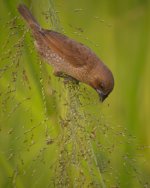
[{"x": 26, "y": 14}]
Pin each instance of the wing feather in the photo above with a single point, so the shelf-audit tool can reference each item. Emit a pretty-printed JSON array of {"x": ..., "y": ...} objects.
[{"x": 74, "y": 52}]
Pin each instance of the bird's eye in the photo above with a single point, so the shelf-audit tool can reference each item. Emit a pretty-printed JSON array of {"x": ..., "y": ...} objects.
[{"x": 101, "y": 86}]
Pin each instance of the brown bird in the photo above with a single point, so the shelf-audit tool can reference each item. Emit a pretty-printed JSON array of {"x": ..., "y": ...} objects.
[{"x": 69, "y": 57}]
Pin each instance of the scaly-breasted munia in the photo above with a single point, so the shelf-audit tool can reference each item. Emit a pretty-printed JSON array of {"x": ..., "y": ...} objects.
[{"x": 70, "y": 57}]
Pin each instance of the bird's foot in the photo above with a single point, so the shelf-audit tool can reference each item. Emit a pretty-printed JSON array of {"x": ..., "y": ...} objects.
[
  {"x": 66, "y": 77},
  {"x": 60, "y": 74}
]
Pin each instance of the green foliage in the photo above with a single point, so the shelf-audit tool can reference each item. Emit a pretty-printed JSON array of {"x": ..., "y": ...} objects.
[{"x": 58, "y": 134}]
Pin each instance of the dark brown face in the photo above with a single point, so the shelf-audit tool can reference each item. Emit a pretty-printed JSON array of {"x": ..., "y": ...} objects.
[
  {"x": 104, "y": 85},
  {"x": 101, "y": 90}
]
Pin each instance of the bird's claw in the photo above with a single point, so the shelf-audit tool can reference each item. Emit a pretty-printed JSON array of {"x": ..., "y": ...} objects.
[{"x": 66, "y": 77}]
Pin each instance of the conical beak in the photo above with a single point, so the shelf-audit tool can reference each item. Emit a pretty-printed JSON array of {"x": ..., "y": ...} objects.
[{"x": 102, "y": 96}]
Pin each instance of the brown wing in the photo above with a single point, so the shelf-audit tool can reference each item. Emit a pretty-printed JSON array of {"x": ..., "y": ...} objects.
[{"x": 75, "y": 53}]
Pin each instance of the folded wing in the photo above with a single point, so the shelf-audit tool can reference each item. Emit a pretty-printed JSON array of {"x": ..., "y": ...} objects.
[{"x": 75, "y": 53}]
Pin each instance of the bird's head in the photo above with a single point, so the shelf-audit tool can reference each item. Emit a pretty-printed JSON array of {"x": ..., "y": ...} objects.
[{"x": 103, "y": 83}]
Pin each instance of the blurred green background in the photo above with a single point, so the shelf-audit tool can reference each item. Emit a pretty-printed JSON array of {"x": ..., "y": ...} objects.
[{"x": 32, "y": 100}]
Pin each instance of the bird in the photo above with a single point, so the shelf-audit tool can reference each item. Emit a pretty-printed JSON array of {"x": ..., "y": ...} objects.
[{"x": 69, "y": 57}]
